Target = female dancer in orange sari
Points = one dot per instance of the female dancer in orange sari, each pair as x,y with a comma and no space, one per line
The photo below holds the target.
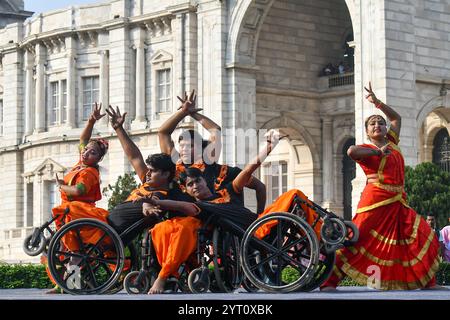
396,250
80,188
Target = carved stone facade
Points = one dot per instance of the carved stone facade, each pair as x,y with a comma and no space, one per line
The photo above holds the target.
255,65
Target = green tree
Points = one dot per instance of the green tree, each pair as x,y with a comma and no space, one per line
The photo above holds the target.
428,190
121,189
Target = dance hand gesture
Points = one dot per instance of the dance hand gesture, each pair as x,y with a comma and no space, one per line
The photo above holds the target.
59,182
274,136
96,115
371,97
188,103
385,151
116,118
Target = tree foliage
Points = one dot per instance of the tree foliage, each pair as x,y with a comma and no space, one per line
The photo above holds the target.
120,190
428,190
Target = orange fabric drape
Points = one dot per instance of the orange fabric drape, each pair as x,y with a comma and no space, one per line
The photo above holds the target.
81,206
174,241
394,242
283,204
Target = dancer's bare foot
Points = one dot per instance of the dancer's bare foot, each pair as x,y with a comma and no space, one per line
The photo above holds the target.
158,286
55,290
328,289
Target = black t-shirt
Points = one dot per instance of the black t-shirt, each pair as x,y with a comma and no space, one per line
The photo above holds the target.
226,204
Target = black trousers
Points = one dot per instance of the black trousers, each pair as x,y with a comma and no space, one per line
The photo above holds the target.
128,217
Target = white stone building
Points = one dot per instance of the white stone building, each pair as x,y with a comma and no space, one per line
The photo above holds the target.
255,64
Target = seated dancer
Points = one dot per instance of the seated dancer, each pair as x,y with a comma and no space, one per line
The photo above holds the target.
175,240
393,238
197,153
80,189
156,174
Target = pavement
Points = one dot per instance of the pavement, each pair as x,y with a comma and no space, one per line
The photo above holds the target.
344,293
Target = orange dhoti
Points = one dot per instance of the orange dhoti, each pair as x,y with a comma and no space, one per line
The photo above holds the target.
283,204
174,241
80,210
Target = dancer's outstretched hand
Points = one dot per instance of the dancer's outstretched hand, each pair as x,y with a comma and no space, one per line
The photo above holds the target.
188,103
371,97
116,118
96,115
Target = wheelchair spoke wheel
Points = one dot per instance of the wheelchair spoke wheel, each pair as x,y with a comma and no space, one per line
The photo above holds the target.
227,270
86,256
284,260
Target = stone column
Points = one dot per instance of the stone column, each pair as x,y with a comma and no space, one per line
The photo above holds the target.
139,121
29,116
327,161
40,88
104,83
71,81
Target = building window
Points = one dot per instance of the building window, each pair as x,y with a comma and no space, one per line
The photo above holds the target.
90,95
52,199
163,90
63,101
57,106
441,149
276,179
1,117
29,209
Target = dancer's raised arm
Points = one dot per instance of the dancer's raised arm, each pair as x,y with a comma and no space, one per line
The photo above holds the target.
391,114
129,147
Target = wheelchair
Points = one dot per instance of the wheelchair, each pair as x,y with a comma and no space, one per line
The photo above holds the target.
292,246
97,266
214,265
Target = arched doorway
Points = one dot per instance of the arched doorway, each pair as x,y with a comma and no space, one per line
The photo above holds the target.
348,173
441,149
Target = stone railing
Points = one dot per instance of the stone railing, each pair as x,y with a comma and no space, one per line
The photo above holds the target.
339,80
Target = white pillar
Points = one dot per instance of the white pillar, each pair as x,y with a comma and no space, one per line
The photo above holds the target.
40,88
29,116
104,83
139,121
71,81
327,161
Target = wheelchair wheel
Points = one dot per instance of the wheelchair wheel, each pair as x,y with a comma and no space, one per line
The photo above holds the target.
227,269
333,232
136,282
352,234
248,286
283,261
131,264
323,269
198,280
94,266
34,247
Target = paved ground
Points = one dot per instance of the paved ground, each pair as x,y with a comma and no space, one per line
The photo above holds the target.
345,293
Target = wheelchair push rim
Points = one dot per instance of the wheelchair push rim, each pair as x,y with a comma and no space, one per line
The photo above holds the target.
291,248
98,265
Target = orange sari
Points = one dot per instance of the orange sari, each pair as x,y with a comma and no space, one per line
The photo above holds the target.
396,250
82,206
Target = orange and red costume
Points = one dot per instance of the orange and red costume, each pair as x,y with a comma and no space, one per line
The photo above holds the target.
396,250
83,206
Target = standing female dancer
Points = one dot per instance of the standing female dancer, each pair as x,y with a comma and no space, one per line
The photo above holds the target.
396,250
